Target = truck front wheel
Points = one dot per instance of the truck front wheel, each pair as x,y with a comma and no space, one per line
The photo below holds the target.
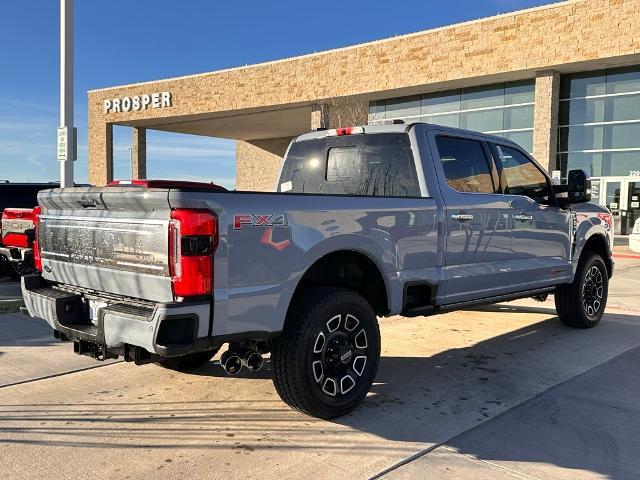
327,356
581,303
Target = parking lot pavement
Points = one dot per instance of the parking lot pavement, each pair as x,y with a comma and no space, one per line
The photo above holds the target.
441,378
10,296
585,428
29,352
624,289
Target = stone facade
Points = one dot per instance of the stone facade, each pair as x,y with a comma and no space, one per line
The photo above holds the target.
138,153
545,118
258,163
567,36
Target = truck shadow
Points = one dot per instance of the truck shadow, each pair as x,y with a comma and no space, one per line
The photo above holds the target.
415,402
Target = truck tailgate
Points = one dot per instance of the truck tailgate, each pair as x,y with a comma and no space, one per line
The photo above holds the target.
112,240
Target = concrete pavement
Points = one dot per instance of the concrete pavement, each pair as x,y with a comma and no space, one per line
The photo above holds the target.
440,377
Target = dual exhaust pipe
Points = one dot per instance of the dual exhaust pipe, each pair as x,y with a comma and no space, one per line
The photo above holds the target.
233,360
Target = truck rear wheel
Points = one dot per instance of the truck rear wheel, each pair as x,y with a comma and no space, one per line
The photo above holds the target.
581,303
187,362
327,356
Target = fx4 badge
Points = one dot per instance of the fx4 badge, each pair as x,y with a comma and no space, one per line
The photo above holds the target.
277,220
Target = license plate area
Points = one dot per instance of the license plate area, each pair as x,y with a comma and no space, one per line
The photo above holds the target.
94,309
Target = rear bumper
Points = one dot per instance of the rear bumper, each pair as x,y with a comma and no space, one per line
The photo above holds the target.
15,254
162,329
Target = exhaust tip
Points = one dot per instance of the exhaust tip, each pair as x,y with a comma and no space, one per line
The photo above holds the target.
254,361
231,363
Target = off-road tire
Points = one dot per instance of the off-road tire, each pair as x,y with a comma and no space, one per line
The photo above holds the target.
187,362
574,301
317,331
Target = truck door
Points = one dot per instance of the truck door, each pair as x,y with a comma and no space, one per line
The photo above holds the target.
477,240
541,231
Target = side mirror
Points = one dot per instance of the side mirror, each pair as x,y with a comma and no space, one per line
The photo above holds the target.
579,186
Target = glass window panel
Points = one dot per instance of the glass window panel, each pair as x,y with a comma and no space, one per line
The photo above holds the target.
524,139
373,165
377,110
481,97
625,107
343,163
465,164
621,163
581,138
521,176
590,162
519,92
585,110
584,84
450,120
626,135
483,120
518,117
403,107
439,103
623,80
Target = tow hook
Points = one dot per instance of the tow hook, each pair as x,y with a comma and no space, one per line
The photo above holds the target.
234,359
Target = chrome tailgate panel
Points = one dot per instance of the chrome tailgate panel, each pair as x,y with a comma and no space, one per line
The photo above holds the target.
107,240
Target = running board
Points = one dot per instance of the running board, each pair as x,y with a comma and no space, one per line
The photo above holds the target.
492,300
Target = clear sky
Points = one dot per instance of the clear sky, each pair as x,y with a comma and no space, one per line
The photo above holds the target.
125,41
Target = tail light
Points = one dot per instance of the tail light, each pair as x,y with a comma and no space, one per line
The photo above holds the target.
18,223
193,238
37,258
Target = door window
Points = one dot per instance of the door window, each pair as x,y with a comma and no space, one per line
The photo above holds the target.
465,165
520,176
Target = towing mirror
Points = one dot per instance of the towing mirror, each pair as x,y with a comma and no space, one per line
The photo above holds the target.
579,186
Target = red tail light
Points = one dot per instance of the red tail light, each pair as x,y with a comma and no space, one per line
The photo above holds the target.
193,238
37,259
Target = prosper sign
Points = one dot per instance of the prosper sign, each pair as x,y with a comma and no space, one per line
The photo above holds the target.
138,102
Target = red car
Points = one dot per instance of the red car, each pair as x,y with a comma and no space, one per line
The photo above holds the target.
17,201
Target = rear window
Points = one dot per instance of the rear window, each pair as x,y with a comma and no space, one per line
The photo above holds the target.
366,165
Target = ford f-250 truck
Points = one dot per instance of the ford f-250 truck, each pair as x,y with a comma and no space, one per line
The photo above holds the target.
365,222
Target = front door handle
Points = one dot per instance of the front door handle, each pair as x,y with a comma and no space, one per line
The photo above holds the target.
462,217
522,217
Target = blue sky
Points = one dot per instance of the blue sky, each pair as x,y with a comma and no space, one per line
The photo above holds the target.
125,41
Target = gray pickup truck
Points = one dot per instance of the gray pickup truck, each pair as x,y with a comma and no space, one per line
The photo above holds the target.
365,222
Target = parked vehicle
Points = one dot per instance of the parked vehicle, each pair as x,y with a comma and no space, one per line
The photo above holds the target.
17,201
365,222
634,238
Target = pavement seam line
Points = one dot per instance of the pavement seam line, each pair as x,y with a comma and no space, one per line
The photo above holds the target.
444,443
495,465
54,375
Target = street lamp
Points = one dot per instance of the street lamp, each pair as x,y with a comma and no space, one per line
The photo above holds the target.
66,144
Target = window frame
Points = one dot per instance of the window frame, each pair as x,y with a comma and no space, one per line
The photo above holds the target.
495,155
491,165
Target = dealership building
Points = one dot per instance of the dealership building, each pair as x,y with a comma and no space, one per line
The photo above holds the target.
561,80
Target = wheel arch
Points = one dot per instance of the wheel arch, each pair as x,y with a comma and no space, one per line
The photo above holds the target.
349,269
598,243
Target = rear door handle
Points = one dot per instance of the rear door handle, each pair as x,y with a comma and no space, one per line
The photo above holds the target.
522,217
462,217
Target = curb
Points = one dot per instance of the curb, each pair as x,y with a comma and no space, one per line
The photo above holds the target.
627,255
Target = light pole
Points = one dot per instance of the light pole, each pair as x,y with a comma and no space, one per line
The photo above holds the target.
66,131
